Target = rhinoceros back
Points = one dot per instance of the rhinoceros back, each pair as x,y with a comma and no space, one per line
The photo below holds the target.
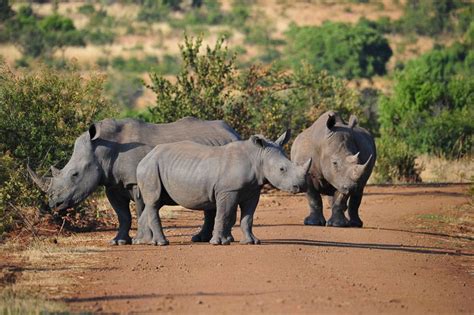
123,143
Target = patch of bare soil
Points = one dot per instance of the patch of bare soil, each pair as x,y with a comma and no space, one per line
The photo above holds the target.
414,255
394,264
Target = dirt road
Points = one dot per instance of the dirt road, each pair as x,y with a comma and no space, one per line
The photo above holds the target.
400,262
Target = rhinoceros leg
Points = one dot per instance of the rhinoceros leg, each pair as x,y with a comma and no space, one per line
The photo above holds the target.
225,218
246,220
205,234
354,203
339,205
154,222
315,216
143,232
121,204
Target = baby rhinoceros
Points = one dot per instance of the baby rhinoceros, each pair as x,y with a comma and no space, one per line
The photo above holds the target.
216,180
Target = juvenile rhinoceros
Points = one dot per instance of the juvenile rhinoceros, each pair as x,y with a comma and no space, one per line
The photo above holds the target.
343,158
108,155
216,179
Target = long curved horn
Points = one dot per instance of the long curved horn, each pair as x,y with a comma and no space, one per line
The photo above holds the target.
360,169
43,183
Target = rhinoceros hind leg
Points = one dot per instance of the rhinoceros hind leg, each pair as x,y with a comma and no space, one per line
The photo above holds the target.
226,213
144,234
205,234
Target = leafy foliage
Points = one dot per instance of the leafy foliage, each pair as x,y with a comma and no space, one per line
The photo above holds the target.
257,100
36,37
358,51
433,95
41,114
435,17
395,162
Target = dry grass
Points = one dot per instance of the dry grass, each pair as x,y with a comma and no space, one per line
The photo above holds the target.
9,53
45,270
441,170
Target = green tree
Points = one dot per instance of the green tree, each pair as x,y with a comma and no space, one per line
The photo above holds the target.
5,10
431,105
59,31
358,51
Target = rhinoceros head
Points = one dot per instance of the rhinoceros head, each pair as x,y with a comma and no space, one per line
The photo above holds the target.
340,156
277,168
78,179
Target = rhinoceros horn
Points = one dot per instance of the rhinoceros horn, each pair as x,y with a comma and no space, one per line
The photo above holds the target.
353,158
307,165
42,182
55,171
360,169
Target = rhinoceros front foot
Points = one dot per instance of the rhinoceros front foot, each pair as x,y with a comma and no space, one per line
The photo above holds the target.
356,223
221,239
315,220
252,240
338,221
121,241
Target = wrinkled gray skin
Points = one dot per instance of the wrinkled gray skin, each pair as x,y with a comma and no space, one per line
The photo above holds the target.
343,158
108,155
216,179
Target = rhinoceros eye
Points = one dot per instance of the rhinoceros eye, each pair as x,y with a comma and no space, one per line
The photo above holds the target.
75,174
282,169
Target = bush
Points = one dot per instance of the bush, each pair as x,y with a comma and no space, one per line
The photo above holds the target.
431,106
435,17
124,90
36,37
259,99
395,162
358,51
41,113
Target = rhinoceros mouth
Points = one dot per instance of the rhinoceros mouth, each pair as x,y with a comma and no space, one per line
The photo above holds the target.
60,205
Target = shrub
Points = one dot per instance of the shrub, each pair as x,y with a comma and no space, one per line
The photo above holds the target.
35,36
432,102
358,51
154,11
260,99
435,17
123,89
395,162
41,113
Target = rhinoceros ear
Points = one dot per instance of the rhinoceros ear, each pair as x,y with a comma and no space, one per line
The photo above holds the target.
353,121
258,141
284,138
94,131
331,120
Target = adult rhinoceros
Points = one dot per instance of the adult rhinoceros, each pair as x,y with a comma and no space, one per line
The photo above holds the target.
343,158
108,155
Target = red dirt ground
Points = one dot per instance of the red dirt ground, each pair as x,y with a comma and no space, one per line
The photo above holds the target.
400,262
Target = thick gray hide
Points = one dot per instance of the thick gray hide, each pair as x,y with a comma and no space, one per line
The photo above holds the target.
108,155
216,179
343,158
